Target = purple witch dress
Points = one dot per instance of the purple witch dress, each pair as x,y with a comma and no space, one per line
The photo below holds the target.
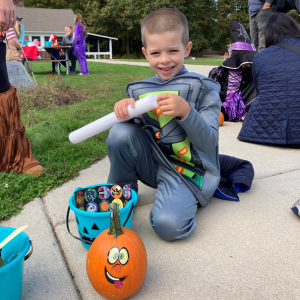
79,48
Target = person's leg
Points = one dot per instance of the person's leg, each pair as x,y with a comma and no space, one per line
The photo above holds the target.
54,56
173,213
53,64
63,56
80,58
86,66
254,31
82,63
4,81
129,152
264,16
15,151
73,58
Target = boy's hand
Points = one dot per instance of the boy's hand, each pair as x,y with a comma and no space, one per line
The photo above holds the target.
173,105
121,110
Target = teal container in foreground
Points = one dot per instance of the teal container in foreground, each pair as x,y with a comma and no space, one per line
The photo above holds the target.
91,224
11,274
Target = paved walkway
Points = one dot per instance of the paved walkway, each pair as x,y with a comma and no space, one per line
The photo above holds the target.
239,250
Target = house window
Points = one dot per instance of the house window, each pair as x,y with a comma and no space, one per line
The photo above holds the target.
46,38
59,39
36,38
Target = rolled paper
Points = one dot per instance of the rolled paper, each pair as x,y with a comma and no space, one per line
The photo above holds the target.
141,106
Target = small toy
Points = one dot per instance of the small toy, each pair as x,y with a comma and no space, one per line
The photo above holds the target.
142,106
116,263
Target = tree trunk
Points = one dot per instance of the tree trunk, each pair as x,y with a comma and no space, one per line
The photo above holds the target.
127,44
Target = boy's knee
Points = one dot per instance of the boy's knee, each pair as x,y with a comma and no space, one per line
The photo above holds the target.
168,227
118,134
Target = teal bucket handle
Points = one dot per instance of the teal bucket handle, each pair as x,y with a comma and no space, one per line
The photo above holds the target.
89,242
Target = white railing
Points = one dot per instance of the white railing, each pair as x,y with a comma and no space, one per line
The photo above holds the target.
97,54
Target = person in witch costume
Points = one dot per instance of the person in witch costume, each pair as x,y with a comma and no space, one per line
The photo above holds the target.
235,75
15,151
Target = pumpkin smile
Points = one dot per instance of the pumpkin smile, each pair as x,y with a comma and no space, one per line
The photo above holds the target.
113,280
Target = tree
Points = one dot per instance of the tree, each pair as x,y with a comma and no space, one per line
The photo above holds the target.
228,10
75,5
123,18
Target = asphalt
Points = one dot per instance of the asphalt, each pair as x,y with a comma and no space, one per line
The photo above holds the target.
239,250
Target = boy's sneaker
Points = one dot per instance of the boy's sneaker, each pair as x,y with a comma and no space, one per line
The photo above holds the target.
296,208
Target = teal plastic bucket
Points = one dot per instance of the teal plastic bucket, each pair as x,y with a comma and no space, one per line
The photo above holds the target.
11,274
91,224
48,43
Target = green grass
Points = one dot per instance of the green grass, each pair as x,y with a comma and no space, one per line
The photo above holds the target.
48,128
215,61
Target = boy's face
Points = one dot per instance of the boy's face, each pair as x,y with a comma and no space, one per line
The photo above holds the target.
166,53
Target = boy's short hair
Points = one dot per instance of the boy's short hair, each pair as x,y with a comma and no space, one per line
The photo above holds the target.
165,19
69,27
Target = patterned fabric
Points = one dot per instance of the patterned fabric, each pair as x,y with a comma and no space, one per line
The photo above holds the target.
3,39
236,85
274,115
10,34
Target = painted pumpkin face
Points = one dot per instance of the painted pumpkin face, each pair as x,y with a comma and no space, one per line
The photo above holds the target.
117,267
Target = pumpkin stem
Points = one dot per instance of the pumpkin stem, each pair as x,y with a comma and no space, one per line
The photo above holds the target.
115,224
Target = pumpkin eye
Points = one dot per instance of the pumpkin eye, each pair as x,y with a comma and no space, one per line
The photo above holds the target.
113,255
124,256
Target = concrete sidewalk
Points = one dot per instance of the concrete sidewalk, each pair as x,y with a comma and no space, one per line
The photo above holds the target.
239,250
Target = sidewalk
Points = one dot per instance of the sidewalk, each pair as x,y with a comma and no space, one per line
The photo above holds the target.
239,250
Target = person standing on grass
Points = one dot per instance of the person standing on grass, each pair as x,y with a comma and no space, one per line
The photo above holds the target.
15,151
67,40
78,42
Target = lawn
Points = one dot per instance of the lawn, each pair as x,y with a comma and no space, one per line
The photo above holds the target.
214,61
48,126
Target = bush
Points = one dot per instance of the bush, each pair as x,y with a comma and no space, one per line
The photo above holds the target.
54,92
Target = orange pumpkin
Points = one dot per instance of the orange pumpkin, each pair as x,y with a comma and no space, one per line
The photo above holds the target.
221,119
116,263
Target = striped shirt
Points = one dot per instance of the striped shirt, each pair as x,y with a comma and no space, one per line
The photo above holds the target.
10,34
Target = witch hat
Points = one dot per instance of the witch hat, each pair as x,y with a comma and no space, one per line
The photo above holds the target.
242,49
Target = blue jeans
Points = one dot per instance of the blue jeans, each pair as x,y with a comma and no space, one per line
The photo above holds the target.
73,58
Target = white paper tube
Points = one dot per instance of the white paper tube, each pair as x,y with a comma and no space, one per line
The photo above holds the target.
141,106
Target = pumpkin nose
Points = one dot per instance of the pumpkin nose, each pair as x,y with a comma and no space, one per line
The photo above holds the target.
117,268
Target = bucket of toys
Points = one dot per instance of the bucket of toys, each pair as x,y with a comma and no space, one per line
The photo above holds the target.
91,208
13,254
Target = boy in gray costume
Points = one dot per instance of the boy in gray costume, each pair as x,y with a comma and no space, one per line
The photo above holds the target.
173,148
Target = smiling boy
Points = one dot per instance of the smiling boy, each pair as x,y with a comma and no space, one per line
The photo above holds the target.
173,148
